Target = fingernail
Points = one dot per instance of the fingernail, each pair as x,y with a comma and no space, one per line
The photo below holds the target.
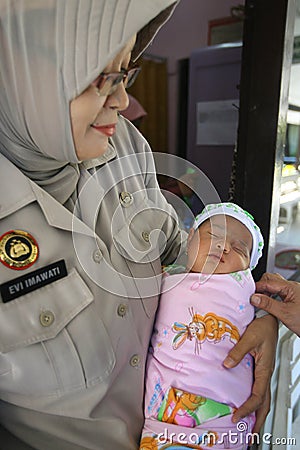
228,362
237,419
255,300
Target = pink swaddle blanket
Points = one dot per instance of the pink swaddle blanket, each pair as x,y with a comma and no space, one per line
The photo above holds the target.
200,318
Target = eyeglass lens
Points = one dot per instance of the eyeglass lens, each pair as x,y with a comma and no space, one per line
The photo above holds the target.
107,82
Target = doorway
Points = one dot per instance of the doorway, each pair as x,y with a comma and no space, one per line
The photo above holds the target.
153,79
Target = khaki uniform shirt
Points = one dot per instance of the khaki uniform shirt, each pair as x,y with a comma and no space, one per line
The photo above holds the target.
73,352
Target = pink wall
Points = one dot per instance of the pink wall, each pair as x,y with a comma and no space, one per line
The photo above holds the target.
185,31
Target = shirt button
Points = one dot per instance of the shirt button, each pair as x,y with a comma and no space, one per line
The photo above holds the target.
146,236
126,199
97,256
135,361
46,318
122,309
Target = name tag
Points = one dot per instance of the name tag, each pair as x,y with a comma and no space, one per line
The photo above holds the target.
34,280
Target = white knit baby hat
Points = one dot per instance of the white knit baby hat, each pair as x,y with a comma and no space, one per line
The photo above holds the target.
233,210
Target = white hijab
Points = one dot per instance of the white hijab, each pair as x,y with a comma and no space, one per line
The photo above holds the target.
50,51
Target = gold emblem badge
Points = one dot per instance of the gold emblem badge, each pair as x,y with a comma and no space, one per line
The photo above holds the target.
18,249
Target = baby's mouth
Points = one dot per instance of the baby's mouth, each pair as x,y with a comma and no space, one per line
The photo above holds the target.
216,256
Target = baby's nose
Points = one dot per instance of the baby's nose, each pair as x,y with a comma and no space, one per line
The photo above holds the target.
224,245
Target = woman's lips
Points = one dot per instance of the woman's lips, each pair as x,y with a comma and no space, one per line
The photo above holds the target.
108,130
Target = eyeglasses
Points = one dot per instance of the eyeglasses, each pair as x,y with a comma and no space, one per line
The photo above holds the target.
107,83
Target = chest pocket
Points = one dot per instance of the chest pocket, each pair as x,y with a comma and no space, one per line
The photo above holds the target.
141,238
141,242
52,341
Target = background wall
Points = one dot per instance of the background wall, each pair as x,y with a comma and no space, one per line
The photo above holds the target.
185,31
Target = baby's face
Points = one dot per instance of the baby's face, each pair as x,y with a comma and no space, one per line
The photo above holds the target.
216,249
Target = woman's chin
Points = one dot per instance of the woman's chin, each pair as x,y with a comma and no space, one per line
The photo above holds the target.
87,154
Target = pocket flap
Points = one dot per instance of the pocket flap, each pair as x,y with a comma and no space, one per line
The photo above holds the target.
141,238
42,314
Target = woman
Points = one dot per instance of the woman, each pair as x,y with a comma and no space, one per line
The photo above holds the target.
80,257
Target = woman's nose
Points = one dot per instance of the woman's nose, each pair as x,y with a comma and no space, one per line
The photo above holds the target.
119,98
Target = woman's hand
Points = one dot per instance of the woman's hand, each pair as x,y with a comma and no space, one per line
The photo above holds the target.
259,339
287,311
